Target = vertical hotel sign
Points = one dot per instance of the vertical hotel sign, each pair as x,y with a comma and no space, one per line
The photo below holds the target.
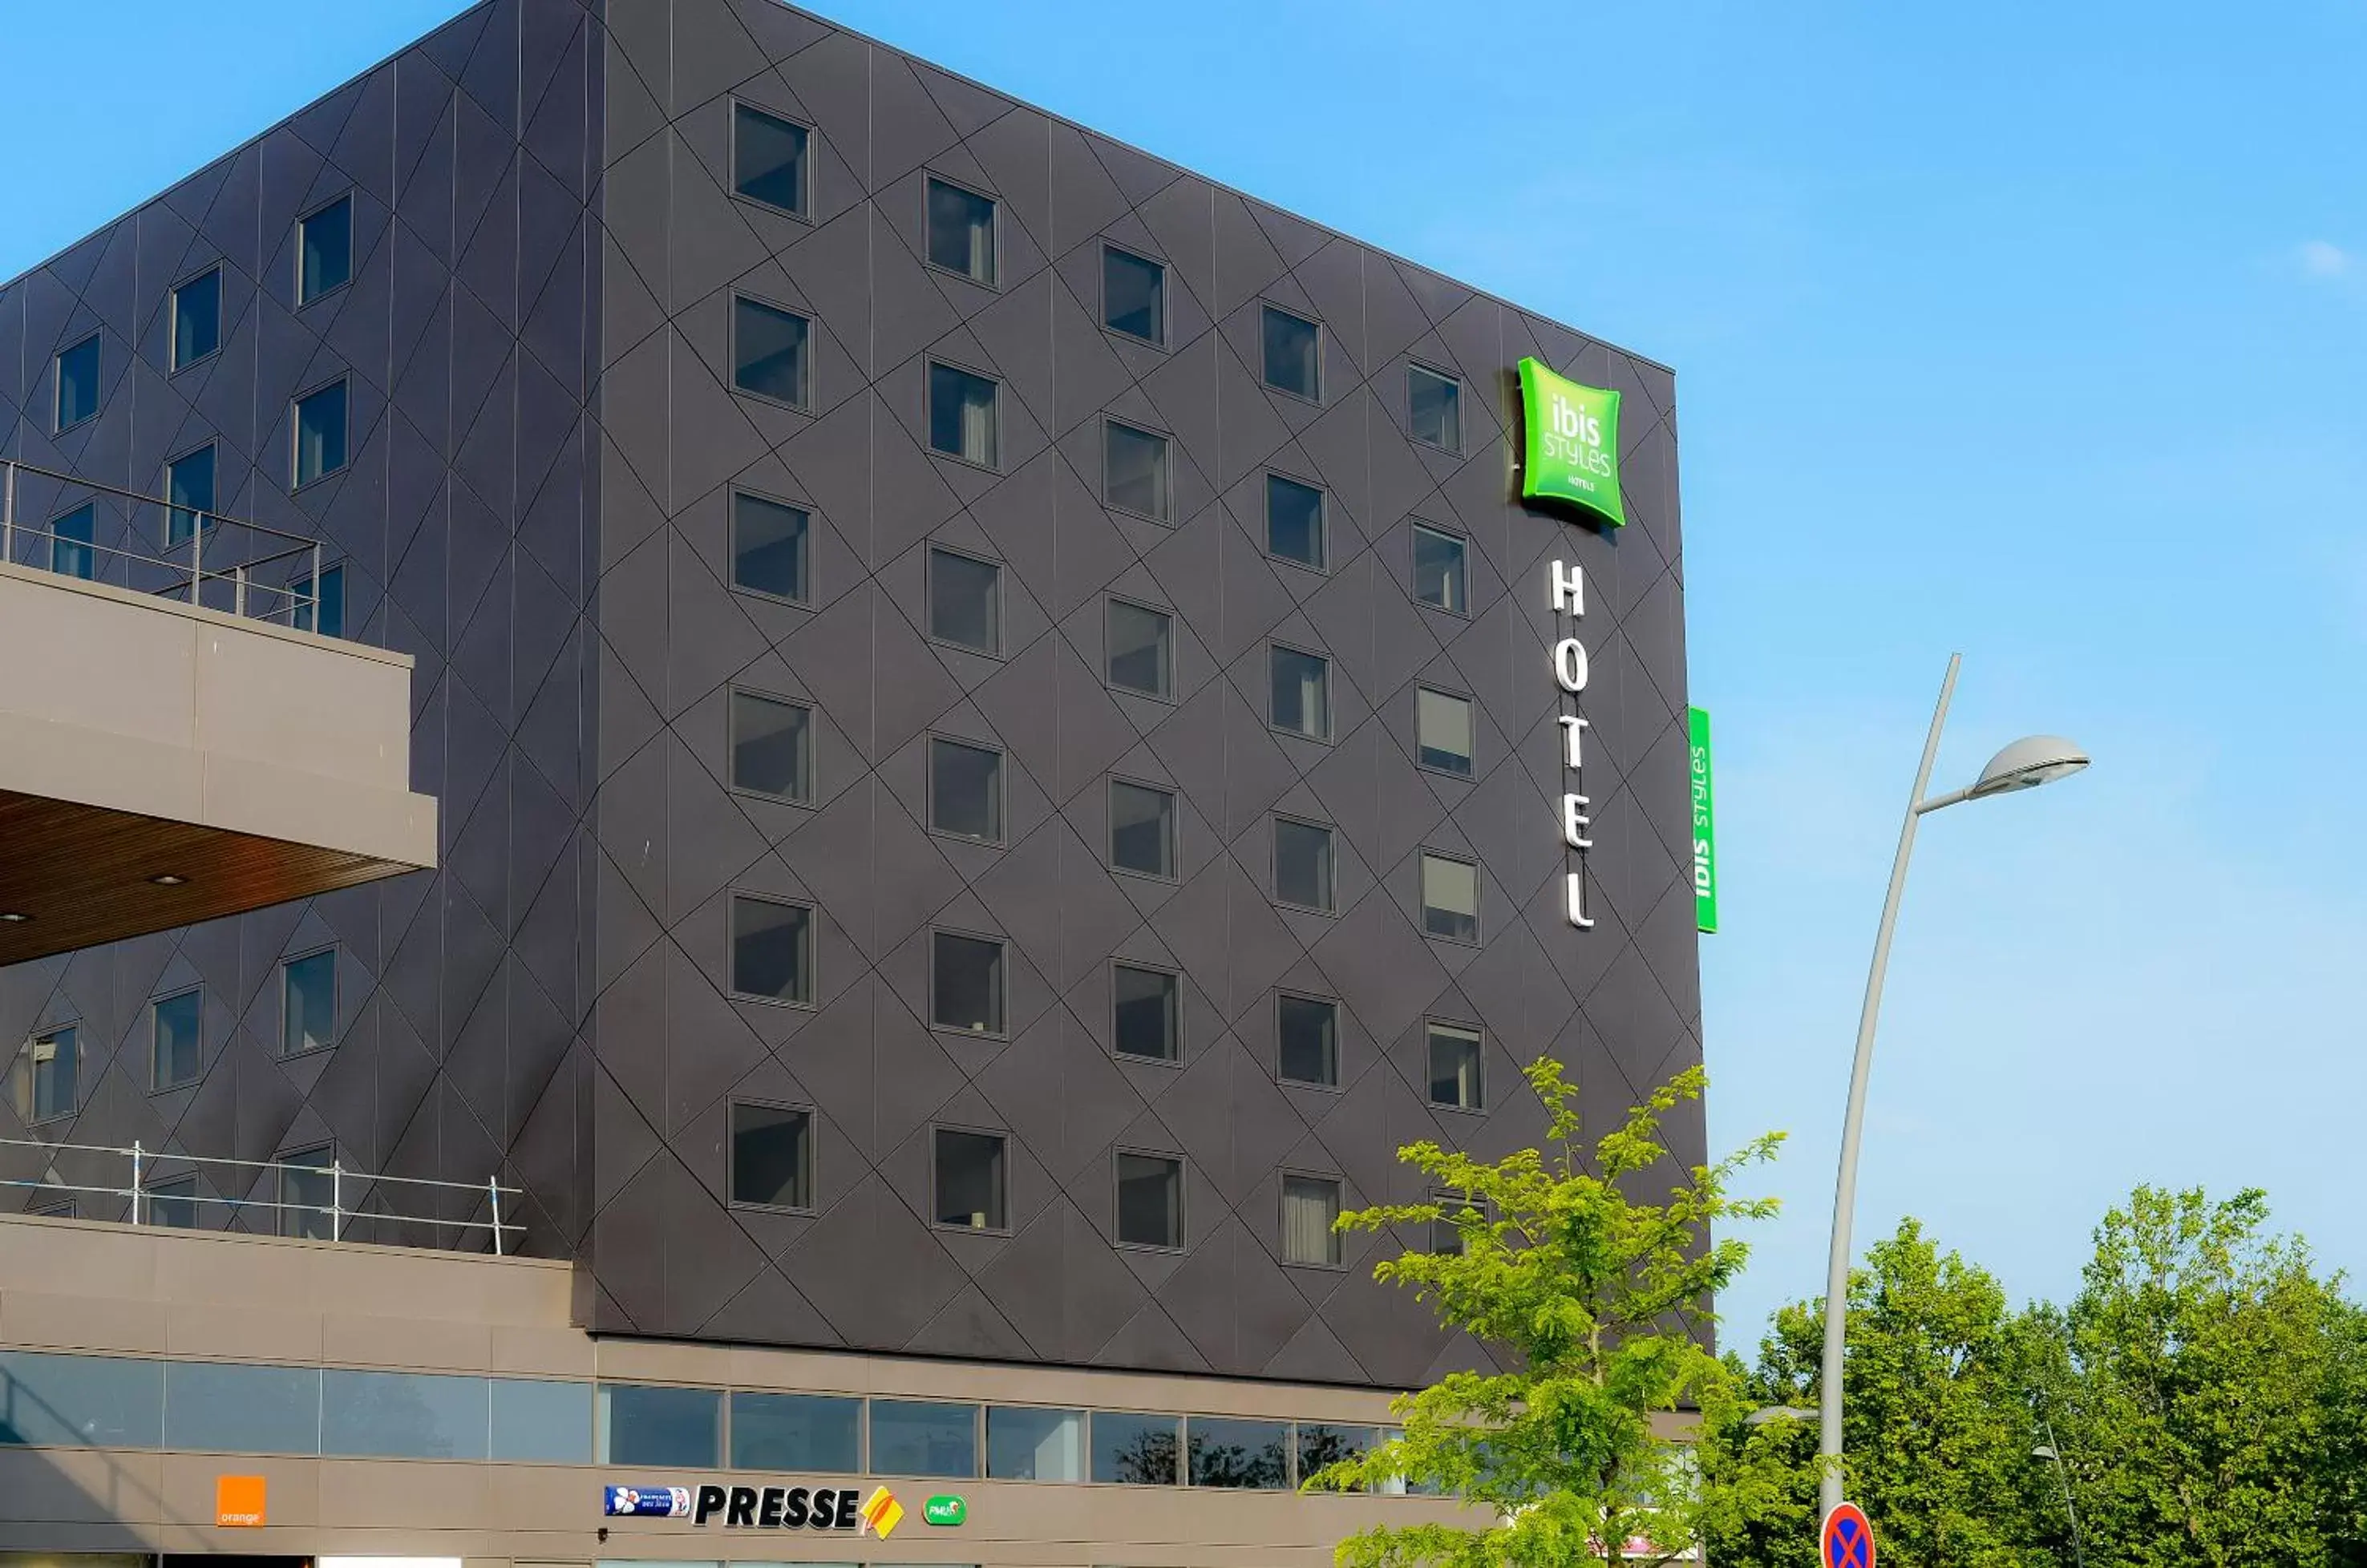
1705,820
1571,457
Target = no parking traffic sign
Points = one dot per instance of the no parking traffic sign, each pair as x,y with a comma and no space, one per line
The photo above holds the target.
1847,1539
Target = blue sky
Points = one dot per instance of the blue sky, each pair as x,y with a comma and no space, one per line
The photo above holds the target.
2033,331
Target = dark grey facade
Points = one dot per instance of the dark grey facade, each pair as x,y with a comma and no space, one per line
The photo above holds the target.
539,334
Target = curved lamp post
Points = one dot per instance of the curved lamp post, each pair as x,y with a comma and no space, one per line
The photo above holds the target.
2035,759
2048,1451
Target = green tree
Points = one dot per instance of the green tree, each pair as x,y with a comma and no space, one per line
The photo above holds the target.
1937,1421
1596,1304
2208,1397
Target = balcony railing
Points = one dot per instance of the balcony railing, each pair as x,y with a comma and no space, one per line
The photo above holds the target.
208,558
327,1202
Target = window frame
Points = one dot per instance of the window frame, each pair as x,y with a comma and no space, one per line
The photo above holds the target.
59,424
1001,839
1424,855
174,364
210,516
930,363
803,211
1174,856
1165,515
1334,1085
1003,1181
1451,1201
284,1216
1419,368
732,494
1175,1018
346,196
992,281
1470,773
1330,869
1159,343
804,403
33,1116
731,695
61,543
1338,1243
1183,1242
337,1002
808,959
150,1192
1314,399
1002,983
1330,728
308,587
929,588
156,1084
1111,602
1462,543
297,483
1479,1060
810,1157
1321,564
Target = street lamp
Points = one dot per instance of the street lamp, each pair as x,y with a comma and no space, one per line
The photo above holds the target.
2048,1451
2028,762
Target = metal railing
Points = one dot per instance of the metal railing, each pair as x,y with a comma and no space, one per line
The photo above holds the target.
353,1198
224,562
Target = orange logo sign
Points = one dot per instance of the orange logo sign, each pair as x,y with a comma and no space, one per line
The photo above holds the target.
238,1501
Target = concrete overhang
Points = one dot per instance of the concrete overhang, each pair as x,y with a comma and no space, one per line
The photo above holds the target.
142,737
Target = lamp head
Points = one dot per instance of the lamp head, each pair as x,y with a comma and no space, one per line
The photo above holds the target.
2045,1450
2030,762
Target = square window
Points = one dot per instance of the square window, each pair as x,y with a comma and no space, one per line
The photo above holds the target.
308,1194
1307,1032
1294,353
1450,898
1142,829
308,1002
176,1027
78,383
772,1156
173,1204
1136,1448
1454,1066
52,1064
1134,470
768,546
319,433
1302,694
965,601
678,1429
197,319
1150,1201
963,419
323,611
190,489
324,250
796,1434
1434,407
1231,1452
966,791
969,1180
1442,724
73,538
1309,1205
1134,295
769,159
1447,1231
1028,1443
1302,864
1145,1012
1294,521
1438,570
1141,644
768,351
909,1438
965,984
772,949
771,747
961,231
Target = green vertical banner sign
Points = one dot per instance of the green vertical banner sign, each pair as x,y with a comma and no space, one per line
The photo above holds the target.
1705,824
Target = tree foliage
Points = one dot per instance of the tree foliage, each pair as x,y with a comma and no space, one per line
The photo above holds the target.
1594,1302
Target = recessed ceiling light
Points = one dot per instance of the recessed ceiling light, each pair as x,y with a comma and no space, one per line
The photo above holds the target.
168,879
15,917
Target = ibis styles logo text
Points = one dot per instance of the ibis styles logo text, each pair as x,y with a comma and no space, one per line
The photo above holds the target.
1571,453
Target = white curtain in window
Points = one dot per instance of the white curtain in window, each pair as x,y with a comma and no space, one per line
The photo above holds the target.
1309,1207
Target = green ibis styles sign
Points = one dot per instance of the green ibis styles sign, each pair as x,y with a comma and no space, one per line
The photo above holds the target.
1571,450
1704,835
